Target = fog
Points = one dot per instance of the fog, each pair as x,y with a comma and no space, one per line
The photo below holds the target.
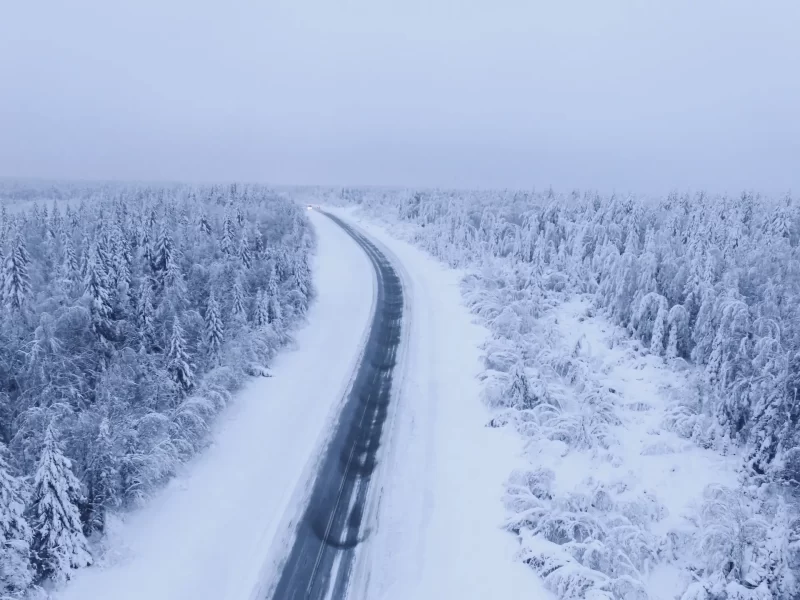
626,96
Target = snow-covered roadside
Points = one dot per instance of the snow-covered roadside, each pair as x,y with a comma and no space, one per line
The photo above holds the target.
439,519
650,475
208,534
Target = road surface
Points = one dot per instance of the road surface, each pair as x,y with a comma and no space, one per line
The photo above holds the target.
321,558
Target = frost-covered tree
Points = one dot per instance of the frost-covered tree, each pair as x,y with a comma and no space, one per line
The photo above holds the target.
214,328
203,224
16,280
244,253
238,303
99,297
15,534
678,342
519,394
261,317
226,243
178,362
58,545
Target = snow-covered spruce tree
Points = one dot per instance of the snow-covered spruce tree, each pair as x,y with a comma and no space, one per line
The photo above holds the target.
58,545
214,328
238,303
261,313
15,534
203,224
16,281
226,243
519,394
99,297
244,253
178,362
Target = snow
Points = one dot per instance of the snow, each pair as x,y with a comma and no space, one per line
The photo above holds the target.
216,531
652,461
437,525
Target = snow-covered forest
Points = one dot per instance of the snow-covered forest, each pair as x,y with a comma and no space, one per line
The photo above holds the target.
701,292
130,313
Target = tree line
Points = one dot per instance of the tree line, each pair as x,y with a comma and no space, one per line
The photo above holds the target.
130,314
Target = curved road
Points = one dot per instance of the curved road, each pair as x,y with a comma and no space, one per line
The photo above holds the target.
321,558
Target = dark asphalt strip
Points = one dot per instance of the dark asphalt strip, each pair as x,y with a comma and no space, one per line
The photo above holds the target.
321,558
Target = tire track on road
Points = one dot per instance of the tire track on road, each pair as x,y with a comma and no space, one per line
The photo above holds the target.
321,558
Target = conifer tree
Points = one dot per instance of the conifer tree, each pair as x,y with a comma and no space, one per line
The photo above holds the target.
59,544
215,331
519,393
261,318
237,301
163,254
226,242
244,253
204,225
16,281
15,534
178,363
100,299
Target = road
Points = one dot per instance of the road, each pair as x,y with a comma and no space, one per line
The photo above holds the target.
321,558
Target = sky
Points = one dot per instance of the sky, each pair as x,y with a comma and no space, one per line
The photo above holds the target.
626,96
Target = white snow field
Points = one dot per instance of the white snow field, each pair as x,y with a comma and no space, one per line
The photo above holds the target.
220,529
209,535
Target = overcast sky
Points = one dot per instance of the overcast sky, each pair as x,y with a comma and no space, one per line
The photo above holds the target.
629,96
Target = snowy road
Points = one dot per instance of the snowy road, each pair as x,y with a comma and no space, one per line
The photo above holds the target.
321,559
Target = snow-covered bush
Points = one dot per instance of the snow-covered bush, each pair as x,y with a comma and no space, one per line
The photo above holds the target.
129,316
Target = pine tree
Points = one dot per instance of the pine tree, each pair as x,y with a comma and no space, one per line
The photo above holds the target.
58,541
659,330
163,254
215,331
226,243
519,393
237,301
178,363
204,225
261,317
15,534
244,253
100,297
16,282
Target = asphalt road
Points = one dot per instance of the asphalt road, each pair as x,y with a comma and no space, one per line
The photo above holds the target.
321,559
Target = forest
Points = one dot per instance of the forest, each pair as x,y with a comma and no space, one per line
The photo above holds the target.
130,315
709,285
